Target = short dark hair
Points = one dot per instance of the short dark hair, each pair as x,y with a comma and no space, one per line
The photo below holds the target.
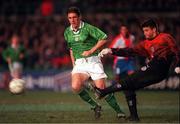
124,25
149,23
74,9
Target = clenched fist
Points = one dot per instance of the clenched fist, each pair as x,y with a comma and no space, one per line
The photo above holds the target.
177,70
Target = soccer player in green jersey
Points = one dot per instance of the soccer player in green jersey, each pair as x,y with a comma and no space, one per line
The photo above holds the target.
14,55
84,40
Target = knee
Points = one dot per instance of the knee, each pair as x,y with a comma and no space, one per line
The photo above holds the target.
100,85
76,87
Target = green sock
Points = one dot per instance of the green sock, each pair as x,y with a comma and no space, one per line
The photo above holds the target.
111,100
85,96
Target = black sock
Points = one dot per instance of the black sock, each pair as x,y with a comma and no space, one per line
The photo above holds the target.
111,89
131,101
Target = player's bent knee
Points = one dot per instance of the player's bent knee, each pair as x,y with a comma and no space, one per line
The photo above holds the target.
100,84
76,87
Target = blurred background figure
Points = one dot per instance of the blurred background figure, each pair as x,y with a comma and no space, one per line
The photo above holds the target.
14,55
124,66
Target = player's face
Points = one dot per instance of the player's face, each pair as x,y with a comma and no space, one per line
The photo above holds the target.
74,20
124,31
15,40
149,32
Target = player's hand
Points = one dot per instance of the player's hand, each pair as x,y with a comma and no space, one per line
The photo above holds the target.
105,52
9,60
177,70
21,56
86,53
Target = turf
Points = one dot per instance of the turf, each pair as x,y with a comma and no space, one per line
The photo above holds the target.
57,107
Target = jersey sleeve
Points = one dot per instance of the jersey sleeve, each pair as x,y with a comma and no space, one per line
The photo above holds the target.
137,50
96,33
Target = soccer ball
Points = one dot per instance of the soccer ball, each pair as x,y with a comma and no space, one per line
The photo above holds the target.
17,86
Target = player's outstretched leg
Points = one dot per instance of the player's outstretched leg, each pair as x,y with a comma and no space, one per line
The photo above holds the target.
100,93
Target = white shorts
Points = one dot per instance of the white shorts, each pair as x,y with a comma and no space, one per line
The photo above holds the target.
15,67
92,66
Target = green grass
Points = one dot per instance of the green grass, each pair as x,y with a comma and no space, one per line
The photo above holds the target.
57,107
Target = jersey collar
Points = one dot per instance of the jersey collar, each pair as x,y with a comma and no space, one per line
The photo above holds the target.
80,26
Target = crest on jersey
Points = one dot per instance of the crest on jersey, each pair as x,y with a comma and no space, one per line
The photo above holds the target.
76,37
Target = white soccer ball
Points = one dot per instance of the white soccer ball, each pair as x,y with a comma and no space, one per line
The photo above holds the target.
17,86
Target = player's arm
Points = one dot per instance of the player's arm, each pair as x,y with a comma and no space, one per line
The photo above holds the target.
126,52
137,50
173,46
99,44
174,49
6,57
97,34
72,57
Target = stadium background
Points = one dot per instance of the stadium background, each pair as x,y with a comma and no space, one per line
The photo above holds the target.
41,24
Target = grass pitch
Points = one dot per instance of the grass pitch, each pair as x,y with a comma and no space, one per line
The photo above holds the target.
57,107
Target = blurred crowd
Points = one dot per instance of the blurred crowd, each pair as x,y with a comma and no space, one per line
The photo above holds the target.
44,41
22,7
42,36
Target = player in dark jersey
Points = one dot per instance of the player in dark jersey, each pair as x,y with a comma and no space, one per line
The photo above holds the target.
162,52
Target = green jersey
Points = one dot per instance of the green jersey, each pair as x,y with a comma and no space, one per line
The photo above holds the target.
84,39
13,53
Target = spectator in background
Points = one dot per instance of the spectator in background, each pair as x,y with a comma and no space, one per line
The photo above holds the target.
124,66
33,30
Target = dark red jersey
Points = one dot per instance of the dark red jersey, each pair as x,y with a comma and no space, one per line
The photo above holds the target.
161,46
